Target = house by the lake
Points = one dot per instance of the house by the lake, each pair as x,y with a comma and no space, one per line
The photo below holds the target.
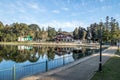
63,37
27,38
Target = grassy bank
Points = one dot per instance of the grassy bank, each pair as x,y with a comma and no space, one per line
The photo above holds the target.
111,69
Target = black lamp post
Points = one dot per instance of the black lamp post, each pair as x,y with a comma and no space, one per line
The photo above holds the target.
100,61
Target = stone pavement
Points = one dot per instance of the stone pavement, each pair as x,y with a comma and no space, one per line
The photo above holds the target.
82,69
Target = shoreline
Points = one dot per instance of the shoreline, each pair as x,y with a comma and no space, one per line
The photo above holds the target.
49,43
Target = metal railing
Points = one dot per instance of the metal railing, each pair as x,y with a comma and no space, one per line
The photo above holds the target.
16,73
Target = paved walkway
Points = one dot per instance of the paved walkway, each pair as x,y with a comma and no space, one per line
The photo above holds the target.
82,69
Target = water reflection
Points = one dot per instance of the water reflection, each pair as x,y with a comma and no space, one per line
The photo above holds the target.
30,60
20,54
63,50
17,55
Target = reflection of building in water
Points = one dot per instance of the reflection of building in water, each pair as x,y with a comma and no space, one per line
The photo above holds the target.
77,49
78,53
24,47
81,52
63,50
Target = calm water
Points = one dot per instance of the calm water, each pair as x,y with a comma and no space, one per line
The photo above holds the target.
28,60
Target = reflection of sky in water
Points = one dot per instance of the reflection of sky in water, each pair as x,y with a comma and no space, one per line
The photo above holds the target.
38,61
9,64
42,58
6,64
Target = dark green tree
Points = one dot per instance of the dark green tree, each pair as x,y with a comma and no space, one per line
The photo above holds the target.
51,33
75,33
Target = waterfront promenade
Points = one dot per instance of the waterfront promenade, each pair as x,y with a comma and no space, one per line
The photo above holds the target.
82,69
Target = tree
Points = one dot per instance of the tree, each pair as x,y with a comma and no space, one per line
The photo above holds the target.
50,53
59,30
35,29
75,33
51,32
80,33
1,26
114,27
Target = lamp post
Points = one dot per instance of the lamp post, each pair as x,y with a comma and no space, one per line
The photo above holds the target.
100,61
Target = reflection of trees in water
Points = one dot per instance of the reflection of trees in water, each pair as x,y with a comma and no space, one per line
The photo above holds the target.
19,56
42,50
12,53
1,59
62,50
1,55
50,53
77,54
34,56
89,51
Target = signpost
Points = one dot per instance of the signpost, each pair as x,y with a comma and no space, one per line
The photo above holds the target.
100,61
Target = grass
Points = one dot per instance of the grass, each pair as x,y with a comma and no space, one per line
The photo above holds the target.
111,69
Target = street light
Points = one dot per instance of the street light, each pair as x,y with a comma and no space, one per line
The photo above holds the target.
100,61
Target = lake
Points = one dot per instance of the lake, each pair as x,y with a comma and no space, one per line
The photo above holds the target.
21,60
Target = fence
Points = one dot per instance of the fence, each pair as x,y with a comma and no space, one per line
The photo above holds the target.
16,73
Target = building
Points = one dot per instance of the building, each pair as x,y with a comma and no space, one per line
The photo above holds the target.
63,37
28,38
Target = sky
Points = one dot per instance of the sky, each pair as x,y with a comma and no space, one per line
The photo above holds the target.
64,14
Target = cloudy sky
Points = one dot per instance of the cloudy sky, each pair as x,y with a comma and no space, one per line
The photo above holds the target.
65,14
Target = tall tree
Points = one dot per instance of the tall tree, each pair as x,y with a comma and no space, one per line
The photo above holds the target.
35,29
114,27
75,33
1,25
51,32
59,30
80,33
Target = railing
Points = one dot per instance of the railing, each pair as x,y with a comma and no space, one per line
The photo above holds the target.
6,74
16,73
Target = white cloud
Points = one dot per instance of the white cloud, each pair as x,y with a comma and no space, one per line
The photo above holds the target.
56,11
65,9
106,7
23,6
32,5
14,7
35,6
64,25
117,17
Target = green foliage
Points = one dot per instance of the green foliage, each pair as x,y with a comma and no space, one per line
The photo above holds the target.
79,33
110,30
51,33
75,33
12,32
